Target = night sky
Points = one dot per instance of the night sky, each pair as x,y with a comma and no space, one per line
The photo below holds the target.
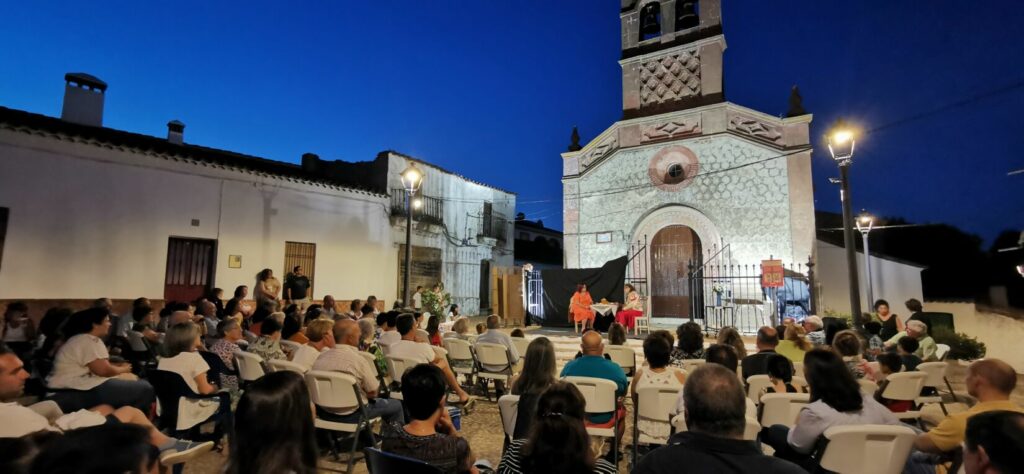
492,89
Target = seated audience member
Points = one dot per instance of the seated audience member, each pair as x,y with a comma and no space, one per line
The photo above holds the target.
17,454
657,352
19,333
731,337
366,311
320,334
907,348
372,302
990,381
50,328
558,441
330,308
390,333
875,343
460,329
593,364
83,367
421,320
835,326
723,355
354,309
481,328
429,435
453,312
539,372
274,430
370,342
268,345
836,400
616,335
994,443
495,336
208,311
291,330
182,359
344,357
815,330
755,364
795,344
849,346
918,331
20,421
367,332
229,333
780,374
714,404
422,354
145,324
691,344
76,452
518,333
434,331
889,363
127,320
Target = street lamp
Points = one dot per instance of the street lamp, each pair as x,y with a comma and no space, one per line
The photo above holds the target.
865,222
412,178
840,145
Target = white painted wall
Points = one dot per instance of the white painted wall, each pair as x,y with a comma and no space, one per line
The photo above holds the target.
893,281
1001,334
88,221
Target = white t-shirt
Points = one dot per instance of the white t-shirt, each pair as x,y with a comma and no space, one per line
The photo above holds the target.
388,338
70,367
417,300
417,351
305,355
19,421
188,365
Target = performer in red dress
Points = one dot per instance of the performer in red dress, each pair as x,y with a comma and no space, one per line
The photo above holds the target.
631,309
579,307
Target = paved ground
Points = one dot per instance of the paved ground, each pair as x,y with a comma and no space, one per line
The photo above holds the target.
482,427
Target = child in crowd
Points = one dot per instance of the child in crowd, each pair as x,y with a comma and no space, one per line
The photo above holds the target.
906,347
874,330
780,373
518,333
889,363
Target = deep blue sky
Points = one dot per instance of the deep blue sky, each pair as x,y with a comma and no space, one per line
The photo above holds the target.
492,88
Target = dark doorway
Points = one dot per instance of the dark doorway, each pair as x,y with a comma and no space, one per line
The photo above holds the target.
301,254
485,284
672,250
190,265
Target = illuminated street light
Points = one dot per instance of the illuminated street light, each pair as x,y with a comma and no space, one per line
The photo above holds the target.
865,222
841,143
412,179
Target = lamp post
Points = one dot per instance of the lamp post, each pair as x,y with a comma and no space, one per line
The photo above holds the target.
865,222
412,178
840,146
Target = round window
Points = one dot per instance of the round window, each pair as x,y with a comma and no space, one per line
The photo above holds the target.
676,174
673,168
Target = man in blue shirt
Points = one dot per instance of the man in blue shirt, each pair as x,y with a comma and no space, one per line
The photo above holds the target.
593,364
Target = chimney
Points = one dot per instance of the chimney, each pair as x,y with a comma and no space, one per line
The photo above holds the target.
175,132
83,99
310,162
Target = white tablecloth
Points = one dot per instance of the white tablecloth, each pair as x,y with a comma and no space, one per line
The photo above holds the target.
604,308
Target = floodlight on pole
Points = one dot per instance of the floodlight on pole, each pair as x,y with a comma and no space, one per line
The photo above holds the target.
412,179
865,222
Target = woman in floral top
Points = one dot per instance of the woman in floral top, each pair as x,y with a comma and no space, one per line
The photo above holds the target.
268,345
228,333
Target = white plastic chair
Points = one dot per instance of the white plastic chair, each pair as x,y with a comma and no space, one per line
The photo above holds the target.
459,350
941,351
338,391
782,408
936,377
643,321
905,386
521,344
281,365
624,356
495,355
798,369
250,366
752,429
600,397
653,402
867,387
508,408
867,449
755,384
396,368
289,346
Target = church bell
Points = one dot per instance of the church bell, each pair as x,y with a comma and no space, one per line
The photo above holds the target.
686,15
649,20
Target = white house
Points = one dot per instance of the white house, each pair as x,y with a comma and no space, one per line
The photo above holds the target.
893,280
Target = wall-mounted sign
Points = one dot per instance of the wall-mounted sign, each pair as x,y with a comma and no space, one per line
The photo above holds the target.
604,237
234,261
772,273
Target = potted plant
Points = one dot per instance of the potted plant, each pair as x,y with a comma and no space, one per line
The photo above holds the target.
961,346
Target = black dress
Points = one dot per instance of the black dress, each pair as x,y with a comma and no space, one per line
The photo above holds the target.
889,327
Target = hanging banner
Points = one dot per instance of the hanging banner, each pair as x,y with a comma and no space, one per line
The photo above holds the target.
772,273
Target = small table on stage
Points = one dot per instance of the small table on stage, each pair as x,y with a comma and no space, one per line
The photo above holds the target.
715,317
605,315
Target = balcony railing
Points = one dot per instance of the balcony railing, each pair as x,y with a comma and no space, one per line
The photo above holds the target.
432,210
494,227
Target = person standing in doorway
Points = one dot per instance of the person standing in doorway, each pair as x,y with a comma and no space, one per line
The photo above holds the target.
297,289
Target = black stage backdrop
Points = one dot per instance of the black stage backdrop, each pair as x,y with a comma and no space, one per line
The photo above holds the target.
560,284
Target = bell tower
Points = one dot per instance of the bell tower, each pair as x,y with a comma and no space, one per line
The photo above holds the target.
671,55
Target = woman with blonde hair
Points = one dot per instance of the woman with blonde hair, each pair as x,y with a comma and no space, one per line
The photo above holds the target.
795,345
731,337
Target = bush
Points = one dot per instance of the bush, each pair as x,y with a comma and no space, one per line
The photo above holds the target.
961,346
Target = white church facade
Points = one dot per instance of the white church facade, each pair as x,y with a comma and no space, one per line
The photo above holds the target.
686,176
88,211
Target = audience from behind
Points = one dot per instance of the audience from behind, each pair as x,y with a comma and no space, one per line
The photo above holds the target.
429,435
434,330
990,381
76,452
755,364
731,337
715,413
460,329
558,440
834,326
344,357
274,430
268,345
691,343
918,331
481,328
875,344
795,344
518,333
616,335
17,454
780,372
408,348
291,330
538,373
354,310
890,363
20,421
366,311
836,400
849,346
229,335
994,443
814,328
593,364
389,335
495,336
657,352
723,355
83,365
907,348
320,334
